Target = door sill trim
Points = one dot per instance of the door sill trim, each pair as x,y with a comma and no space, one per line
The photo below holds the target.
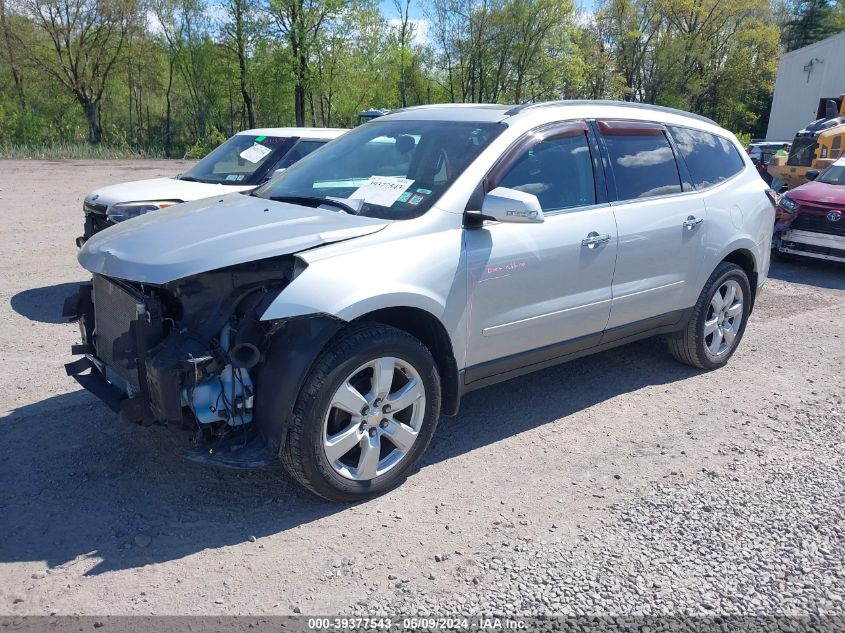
500,369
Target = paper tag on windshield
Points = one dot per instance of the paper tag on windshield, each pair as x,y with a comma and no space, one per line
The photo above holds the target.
382,190
255,153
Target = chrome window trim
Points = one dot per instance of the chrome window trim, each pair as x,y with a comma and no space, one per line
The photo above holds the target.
578,209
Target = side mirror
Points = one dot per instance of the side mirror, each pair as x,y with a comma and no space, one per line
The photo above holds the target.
812,174
510,205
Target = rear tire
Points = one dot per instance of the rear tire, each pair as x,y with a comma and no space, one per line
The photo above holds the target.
718,320
366,414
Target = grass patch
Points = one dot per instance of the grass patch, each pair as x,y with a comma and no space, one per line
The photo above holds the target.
60,151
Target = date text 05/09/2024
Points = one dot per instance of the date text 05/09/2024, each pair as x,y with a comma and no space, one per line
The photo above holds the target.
418,624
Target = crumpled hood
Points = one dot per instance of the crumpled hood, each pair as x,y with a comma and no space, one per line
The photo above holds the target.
819,192
159,189
205,235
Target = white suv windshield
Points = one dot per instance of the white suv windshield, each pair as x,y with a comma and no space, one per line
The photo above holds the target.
242,160
397,169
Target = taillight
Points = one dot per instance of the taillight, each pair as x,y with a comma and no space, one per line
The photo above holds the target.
773,196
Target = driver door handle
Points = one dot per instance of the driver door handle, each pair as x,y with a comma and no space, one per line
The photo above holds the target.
691,222
593,239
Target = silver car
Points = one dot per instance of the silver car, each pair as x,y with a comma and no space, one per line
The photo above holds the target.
331,316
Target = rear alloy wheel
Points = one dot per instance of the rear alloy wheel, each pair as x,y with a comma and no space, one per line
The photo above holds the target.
724,319
366,414
718,320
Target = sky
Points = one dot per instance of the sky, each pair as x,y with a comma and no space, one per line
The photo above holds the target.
388,9
417,14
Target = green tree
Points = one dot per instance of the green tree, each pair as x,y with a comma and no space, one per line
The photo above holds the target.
241,29
78,43
301,23
810,21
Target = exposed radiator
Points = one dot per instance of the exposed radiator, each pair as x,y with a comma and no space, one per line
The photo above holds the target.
126,325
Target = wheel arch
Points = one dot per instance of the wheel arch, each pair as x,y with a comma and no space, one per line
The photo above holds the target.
744,258
429,330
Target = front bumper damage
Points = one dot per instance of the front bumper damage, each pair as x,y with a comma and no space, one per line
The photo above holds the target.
96,220
809,244
819,234
180,355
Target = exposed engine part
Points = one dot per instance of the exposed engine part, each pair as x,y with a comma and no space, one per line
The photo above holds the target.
244,355
226,396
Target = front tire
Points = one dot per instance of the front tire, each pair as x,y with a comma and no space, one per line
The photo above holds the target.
366,414
718,320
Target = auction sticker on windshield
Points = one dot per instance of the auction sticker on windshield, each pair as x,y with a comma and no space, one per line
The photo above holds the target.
255,153
382,190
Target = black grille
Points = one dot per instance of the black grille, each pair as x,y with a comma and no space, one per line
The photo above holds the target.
803,152
94,223
818,224
126,325
93,207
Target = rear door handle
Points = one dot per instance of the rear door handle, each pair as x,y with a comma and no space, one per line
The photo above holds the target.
691,222
593,239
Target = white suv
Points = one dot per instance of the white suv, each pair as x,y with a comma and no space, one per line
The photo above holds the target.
239,164
332,315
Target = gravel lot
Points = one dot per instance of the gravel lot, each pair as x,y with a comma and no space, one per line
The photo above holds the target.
623,483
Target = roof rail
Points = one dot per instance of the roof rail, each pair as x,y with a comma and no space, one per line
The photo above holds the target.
621,104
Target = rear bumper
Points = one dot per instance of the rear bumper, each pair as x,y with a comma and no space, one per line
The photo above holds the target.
809,244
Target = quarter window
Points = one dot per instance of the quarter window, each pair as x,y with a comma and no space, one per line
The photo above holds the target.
642,162
558,170
710,159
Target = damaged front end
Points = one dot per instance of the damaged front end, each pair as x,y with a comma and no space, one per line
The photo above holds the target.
183,353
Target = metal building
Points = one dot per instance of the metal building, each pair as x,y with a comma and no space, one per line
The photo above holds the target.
805,76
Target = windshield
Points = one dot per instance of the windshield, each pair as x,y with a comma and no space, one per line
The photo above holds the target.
802,152
833,175
398,169
242,160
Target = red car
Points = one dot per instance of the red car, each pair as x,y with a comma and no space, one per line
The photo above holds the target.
810,220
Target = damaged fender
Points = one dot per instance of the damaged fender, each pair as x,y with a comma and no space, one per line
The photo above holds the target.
294,347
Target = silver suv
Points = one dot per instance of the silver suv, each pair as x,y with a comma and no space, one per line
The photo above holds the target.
332,315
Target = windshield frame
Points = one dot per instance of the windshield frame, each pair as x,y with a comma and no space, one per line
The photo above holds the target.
197,173
455,144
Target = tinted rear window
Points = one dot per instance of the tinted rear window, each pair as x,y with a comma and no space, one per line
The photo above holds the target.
710,158
643,166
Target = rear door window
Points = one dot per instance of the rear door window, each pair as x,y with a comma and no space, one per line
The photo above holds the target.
641,160
710,158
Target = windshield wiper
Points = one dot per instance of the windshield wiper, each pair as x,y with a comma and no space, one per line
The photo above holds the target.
190,179
316,201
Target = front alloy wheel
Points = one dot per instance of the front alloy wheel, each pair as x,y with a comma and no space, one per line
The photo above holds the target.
365,415
374,419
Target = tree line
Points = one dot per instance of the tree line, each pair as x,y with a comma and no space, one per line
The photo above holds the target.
178,76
